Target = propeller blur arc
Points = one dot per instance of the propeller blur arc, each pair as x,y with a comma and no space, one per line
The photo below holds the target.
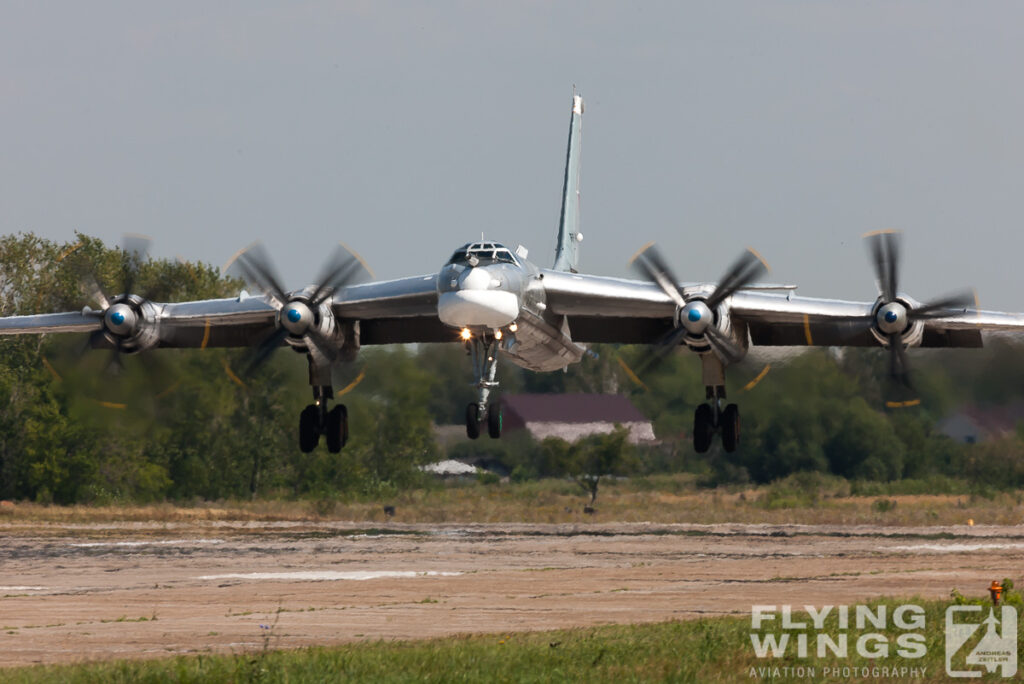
342,268
747,268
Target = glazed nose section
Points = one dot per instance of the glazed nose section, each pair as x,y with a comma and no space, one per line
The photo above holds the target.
480,302
477,279
474,279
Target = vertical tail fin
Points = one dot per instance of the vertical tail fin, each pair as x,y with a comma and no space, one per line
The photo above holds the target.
569,236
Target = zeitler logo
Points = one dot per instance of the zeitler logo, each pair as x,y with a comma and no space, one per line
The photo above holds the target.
997,648
859,629
977,639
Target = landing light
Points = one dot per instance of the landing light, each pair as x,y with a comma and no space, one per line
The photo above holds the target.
466,334
513,327
497,334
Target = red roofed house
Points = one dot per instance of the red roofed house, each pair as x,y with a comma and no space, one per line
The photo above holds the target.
571,416
972,424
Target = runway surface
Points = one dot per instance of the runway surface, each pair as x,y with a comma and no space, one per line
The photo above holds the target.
136,590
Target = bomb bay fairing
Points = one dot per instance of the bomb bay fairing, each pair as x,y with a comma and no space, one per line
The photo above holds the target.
500,305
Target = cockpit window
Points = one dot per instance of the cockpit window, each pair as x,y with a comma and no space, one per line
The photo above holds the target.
485,253
504,255
460,257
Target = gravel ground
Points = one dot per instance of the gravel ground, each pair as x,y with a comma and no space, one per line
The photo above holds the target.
137,590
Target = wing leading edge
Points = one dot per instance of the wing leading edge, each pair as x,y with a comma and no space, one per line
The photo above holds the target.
599,309
391,311
620,310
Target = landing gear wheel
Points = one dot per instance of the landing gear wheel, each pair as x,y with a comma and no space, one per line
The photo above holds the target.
472,422
337,428
730,427
309,433
494,421
703,428
344,424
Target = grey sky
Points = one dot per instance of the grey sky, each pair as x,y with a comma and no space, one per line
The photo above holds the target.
405,129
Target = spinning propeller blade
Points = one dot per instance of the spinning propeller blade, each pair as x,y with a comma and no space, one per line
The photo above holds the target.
701,316
135,253
745,270
885,252
255,265
299,313
121,316
893,317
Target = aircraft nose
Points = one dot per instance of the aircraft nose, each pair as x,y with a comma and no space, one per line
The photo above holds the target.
481,301
478,279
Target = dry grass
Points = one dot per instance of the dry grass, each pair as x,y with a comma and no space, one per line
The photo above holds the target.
715,649
666,499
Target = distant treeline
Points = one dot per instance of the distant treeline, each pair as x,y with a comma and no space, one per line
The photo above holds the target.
188,424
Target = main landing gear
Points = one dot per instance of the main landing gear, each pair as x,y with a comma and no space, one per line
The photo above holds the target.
712,417
316,419
484,351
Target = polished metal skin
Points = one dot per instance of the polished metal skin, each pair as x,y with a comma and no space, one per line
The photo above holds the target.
130,323
481,287
569,236
500,305
297,317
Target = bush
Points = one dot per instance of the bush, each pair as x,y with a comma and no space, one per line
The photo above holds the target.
883,505
487,478
802,490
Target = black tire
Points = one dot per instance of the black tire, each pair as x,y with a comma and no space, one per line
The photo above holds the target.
337,428
472,424
494,421
703,428
309,434
344,423
730,428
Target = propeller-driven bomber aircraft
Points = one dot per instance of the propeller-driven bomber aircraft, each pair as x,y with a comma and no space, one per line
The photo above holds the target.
500,305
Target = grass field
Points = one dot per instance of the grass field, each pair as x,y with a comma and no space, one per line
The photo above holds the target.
710,650
811,499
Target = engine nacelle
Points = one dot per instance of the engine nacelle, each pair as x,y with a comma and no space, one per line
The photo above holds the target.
131,324
696,317
299,316
892,318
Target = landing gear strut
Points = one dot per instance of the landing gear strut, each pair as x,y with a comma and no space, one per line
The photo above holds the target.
484,352
713,417
316,419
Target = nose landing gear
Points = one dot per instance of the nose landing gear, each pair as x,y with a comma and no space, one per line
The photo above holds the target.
484,352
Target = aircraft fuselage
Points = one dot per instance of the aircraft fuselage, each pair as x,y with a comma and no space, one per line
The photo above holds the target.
504,298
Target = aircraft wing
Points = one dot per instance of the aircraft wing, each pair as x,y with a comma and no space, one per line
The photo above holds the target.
394,311
71,321
788,320
598,309
388,312
204,323
391,311
619,310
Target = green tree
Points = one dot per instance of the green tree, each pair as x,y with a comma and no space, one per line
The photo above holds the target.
591,458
